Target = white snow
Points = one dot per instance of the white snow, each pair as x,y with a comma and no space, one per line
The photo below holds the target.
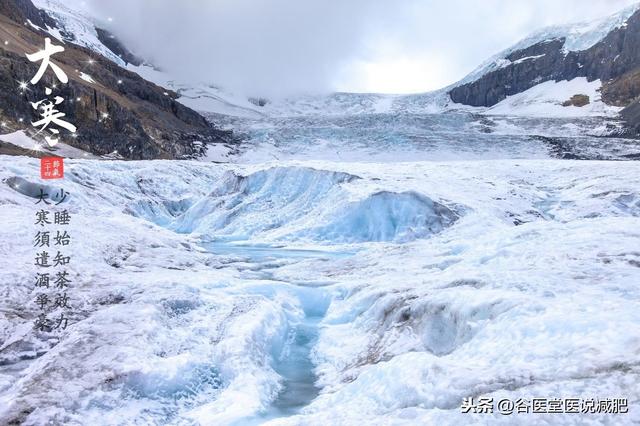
169,332
78,21
86,77
527,58
201,97
545,100
20,138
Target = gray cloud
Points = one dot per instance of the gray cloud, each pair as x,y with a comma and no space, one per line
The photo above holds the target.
255,47
466,32
276,47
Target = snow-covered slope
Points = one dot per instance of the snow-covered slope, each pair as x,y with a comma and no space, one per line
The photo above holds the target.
61,149
200,96
601,51
211,99
546,100
77,24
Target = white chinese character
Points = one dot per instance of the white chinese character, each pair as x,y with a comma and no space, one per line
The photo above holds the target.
605,405
45,57
485,405
589,406
572,405
554,405
468,406
539,405
522,405
51,115
620,405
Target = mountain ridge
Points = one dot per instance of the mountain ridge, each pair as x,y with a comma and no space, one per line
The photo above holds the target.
114,109
614,59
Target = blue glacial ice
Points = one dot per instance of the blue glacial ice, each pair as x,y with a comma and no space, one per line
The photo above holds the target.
385,216
303,203
240,207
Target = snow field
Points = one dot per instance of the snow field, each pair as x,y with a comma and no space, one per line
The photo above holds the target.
514,298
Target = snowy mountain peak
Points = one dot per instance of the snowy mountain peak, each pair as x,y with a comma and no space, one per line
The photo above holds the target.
596,62
76,24
577,37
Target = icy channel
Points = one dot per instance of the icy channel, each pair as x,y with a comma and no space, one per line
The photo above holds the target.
292,358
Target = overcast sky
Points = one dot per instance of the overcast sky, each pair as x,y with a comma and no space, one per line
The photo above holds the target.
280,47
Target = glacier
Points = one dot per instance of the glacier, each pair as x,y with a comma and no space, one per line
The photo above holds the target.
303,292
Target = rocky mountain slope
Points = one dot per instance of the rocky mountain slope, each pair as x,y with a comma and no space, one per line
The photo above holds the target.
114,110
607,50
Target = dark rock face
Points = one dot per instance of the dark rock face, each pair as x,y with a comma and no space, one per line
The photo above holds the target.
613,56
23,10
114,45
118,111
8,149
631,115
622,91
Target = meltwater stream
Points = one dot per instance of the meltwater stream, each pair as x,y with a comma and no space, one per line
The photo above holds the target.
293,363
296,368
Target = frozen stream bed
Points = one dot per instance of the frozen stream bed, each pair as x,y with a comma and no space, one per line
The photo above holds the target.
292,361
301,292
